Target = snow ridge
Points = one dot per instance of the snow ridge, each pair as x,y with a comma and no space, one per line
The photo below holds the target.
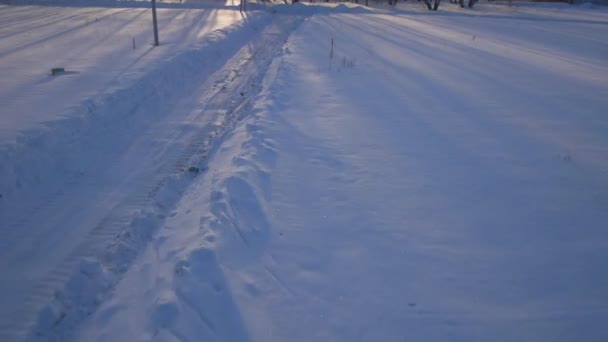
37,162
97,270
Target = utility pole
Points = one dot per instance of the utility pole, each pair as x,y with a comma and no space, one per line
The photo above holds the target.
154,22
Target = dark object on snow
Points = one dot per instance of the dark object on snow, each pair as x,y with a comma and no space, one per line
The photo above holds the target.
55,71
193,169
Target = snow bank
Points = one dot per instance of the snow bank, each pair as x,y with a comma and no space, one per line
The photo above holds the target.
189,296
43,163
232,86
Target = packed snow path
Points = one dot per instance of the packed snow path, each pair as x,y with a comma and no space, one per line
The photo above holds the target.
442,177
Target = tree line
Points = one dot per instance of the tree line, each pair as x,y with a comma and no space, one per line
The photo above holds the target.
432,5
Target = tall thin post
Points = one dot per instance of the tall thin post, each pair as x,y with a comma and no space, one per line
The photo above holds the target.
154,22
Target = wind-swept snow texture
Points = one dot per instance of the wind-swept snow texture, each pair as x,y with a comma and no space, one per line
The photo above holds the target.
100,49
444,177
433,177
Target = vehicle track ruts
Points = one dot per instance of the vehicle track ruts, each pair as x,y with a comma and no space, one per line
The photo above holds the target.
227,94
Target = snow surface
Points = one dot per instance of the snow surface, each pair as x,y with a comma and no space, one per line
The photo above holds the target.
86,167
433,177
94,45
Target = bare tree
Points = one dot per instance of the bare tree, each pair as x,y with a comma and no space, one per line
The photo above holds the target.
432,6
470,4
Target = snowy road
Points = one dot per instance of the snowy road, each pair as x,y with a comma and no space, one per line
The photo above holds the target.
83,169
442,177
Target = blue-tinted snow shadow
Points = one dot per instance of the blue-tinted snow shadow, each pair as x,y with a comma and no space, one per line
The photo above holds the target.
120,4
500,142
204,301
483,165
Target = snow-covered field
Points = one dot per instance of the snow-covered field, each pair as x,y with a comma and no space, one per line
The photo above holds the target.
100,48
431,177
